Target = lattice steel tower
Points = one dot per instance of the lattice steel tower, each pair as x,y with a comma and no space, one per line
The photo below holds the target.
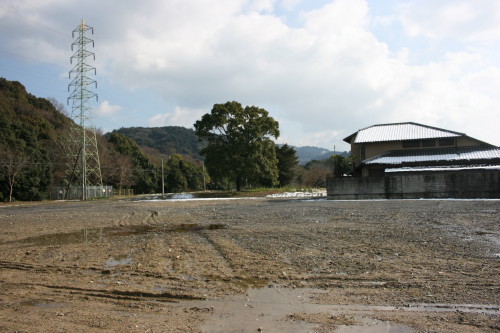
84,169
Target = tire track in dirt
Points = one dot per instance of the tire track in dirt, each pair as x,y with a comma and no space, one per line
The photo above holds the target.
125,294
31,276
126,219
132,218
217,259
17,266
191,255
129,295
33,268
152,217
245,263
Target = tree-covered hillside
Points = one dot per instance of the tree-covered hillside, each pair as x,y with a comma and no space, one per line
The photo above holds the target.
170,140
33,150
34,135
31,136
166,140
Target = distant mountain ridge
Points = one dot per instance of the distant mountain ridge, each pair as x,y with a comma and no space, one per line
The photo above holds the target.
310,153
180,140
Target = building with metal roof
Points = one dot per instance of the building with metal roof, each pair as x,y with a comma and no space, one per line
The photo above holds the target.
400,132
387,146
412,161
455,155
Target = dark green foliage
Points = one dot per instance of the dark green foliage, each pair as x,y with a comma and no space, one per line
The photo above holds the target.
287,164
176,179
239,146
167,140
176,182
145,173
34,128
31,126
340,165
36,178
182,175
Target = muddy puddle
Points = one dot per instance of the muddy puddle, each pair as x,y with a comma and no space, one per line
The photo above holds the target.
278,309
294,310
41,304
99,235
113,262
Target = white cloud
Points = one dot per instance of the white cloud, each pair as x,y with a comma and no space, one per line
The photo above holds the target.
465,20
104,109
319,139
323,79
289,4
447,95
262,5
330,75
178,117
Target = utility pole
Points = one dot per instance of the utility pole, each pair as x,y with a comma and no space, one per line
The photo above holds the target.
83,157
334,162
162,179
204,182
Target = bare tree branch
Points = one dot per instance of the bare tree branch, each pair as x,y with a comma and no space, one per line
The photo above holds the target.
13,162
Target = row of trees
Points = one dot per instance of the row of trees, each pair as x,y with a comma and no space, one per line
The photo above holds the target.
33,150
125,165
238,150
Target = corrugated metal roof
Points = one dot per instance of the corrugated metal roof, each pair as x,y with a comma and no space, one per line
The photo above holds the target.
436,155
402,131
452,168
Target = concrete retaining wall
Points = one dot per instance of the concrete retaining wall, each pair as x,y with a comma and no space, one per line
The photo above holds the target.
416,185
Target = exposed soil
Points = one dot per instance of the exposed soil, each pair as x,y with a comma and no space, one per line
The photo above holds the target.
176,266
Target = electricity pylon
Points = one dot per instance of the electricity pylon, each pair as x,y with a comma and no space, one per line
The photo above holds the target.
84,168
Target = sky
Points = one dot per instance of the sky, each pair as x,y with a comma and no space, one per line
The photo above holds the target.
322,68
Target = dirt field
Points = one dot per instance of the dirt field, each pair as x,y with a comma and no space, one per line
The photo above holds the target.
274,265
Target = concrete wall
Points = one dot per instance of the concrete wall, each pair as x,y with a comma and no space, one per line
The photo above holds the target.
416,185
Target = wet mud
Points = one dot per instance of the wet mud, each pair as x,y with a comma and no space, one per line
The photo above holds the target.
250,265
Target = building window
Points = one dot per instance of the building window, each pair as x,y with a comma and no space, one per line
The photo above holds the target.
411,144
429,143
447,142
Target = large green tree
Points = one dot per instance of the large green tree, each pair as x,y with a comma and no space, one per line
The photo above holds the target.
239,144
287,164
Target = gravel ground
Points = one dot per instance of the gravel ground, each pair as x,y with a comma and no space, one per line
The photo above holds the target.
174,266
